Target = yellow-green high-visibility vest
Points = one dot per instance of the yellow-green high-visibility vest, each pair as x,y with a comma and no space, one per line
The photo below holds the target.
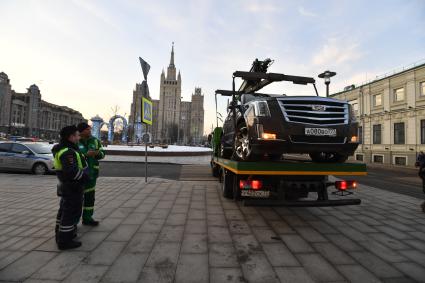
58,164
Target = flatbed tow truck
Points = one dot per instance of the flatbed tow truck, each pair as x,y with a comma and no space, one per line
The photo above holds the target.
285,182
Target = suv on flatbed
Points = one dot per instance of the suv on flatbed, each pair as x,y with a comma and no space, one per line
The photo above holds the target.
271,125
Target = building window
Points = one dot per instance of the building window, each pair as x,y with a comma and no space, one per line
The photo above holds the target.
377,100
359,157
400,160
360,135
422,131
355,106
399,94
377,134
399,137
422,88
378,158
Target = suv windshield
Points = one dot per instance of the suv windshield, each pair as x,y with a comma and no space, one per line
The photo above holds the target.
39,148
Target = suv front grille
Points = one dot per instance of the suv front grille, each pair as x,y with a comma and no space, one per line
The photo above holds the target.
321,112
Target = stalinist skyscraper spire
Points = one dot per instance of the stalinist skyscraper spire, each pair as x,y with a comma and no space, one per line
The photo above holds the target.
171,70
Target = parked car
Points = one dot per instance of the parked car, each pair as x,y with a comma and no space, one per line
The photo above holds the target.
26,156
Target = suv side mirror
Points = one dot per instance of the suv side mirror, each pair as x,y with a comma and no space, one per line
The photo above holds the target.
26,152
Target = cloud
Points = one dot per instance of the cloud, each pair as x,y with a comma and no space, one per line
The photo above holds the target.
306,13
337,51
260,7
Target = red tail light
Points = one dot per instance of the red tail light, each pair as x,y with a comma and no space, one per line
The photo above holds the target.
250,184
345,185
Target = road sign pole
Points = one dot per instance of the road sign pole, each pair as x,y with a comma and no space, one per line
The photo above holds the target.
146,162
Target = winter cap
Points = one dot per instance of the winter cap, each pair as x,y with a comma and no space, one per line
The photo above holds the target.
82,126
67,131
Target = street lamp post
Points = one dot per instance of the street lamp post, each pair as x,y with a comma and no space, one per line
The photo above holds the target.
327,76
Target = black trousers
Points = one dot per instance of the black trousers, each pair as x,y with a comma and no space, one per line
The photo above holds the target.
421,174
68,216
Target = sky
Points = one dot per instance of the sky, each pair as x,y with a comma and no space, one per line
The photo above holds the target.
84,54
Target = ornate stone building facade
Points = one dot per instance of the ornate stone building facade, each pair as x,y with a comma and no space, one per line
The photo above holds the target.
174,120
391,115
26,114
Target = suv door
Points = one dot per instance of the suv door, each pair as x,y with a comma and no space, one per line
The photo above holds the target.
5,155
21,157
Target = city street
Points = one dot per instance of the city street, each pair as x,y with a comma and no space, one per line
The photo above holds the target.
185,231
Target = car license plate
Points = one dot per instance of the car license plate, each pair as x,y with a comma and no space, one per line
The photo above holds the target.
255,194
320,132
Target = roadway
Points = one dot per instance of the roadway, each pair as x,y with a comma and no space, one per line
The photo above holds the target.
395,179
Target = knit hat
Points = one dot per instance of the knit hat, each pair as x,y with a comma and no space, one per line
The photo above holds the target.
67,131
82,126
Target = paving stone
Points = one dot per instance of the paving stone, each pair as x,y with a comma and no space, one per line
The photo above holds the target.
322,227
281,227
382,251
420,245
107,224
126,268
196,226
256,268
192,268
151,225
86,273
415,256
61,266
176,219
164,254
344,243
216,220
121,212
239,227
26,265
356,273
123,233
266,235
296,244
171,234
279,255
412,270
333,254
7,257
194,243
106,253
219,235
91,240
376,265
319,268
389,241
157,274
135,218
222,255
246,244
141,243
293,274
310,234
229,275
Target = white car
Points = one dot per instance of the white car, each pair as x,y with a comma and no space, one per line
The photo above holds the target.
26,156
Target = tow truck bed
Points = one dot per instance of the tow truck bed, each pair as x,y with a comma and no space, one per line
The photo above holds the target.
284,183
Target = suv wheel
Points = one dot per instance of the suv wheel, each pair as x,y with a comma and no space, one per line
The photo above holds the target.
39,169
328,157
242,146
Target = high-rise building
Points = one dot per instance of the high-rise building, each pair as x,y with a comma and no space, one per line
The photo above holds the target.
174,120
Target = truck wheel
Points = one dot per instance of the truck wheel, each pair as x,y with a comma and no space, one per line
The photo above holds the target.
228,184
328,157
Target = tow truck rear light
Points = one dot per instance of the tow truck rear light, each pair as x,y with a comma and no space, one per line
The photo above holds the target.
250,184
345,185
354,139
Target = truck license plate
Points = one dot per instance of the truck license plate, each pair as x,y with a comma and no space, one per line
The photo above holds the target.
255,194
320,132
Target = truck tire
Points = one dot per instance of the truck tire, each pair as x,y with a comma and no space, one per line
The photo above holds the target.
328,157
228,183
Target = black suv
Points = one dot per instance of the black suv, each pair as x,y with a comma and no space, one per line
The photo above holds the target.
269,125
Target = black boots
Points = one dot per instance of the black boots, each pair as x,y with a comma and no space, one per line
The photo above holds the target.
68,245
91,222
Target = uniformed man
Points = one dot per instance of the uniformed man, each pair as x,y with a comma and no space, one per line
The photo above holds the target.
92,149
420,162
72,172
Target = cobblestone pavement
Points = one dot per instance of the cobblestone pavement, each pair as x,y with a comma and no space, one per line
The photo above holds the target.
184,231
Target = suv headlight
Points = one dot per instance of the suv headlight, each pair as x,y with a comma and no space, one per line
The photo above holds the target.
261,109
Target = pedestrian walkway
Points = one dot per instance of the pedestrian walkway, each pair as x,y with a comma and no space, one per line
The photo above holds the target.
184,231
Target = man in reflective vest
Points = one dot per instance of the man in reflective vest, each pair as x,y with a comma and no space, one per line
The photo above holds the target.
72,172
92,149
